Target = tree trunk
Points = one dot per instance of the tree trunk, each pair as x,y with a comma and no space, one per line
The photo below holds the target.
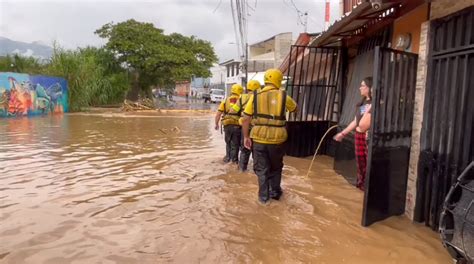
148,93
132,95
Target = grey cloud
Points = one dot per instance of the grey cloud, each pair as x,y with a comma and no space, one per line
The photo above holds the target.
73,23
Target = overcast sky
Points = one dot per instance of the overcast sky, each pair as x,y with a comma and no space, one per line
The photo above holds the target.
72,22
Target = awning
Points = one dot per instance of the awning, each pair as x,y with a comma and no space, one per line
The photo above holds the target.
364,20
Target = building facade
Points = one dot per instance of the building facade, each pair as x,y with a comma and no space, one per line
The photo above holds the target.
183,88
420,54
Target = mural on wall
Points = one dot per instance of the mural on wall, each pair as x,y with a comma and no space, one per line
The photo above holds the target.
23,94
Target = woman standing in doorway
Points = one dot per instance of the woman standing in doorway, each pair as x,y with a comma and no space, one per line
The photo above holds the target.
361,124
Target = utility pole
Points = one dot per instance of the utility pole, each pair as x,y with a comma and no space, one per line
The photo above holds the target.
246,64
305,22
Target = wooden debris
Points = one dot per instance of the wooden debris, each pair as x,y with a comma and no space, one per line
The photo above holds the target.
176,129
142,104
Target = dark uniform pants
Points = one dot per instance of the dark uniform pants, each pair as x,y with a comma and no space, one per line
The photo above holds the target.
232,141
244,154
268,165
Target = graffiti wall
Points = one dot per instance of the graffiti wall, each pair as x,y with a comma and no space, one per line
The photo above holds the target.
26,95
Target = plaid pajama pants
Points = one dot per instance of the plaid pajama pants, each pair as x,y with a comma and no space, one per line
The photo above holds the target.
361,158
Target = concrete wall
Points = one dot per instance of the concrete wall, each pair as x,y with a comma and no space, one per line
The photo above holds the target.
264,56
274,49
261,65
255,51
441,8
282,46
417,119
27,95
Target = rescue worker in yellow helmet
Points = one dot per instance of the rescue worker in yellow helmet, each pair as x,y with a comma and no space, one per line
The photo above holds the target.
252,85
268,109
230,120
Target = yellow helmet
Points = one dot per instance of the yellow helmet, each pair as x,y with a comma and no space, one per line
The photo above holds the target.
253,85
273,76
236,89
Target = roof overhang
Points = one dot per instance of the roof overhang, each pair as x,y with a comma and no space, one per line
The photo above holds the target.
228,62
364,20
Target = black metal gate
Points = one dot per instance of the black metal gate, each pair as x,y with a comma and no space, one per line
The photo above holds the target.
355,70
447,132
313,81
390,135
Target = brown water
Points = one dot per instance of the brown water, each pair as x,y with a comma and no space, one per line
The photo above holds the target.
138,189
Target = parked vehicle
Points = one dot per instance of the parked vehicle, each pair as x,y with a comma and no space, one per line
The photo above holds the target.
217,95
157,93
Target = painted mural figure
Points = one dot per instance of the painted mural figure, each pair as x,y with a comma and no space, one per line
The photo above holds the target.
43,100
21,94
4,101
55,93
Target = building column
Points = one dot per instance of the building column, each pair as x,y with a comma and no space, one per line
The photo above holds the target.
421,80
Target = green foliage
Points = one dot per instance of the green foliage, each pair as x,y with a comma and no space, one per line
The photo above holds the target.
20,64
157,58
94,78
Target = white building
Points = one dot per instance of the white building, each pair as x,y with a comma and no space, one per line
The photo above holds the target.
233,74
263,55
219,75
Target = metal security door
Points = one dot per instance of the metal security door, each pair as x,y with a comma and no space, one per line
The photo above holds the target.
447,145
390,134
313,81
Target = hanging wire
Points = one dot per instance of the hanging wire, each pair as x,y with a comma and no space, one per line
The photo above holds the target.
217,7
299,13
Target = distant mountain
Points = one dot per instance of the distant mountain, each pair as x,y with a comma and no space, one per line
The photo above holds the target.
35,49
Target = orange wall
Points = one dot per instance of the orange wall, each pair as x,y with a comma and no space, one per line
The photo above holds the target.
182,88
411,23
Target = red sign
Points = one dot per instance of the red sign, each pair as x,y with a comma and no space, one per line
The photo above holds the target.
327,12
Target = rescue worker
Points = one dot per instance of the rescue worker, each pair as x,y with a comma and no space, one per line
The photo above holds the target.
252,85
230,120
268,109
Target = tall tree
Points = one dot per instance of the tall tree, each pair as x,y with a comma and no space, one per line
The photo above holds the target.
154,57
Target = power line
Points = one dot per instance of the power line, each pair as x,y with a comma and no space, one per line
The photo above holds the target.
217,7
299,14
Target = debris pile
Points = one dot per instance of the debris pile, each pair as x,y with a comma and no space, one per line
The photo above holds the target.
141,104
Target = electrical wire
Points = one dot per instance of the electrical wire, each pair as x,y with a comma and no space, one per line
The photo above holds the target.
299,13
217,7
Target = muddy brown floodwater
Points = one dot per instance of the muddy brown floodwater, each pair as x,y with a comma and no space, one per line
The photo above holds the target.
112,188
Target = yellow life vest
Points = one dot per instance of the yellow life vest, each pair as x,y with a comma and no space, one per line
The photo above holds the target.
269,117
244,99
230,117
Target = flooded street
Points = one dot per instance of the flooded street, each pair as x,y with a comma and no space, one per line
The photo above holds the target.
115,188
